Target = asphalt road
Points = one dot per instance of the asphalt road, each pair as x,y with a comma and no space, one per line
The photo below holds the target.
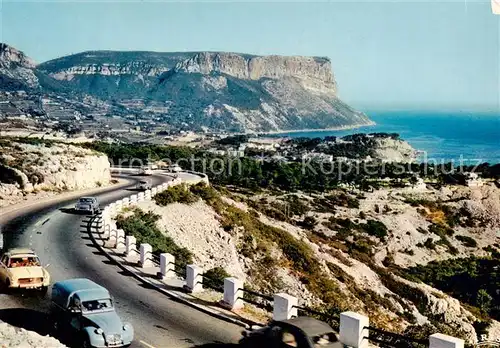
60,239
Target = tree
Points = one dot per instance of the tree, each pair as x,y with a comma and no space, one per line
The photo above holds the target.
483,300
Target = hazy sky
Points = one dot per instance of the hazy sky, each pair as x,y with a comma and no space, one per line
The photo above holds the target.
398,54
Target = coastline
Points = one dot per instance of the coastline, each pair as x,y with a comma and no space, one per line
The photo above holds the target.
315,129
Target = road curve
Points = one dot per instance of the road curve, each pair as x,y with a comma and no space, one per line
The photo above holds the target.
61,240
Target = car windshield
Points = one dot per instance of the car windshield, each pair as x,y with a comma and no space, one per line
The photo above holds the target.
96,305
144,182
30,261
86,200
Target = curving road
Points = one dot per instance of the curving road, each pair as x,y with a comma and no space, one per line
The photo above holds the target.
61,240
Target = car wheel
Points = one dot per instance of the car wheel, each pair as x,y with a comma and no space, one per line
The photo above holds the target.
6,286
43,290
55,325
86,342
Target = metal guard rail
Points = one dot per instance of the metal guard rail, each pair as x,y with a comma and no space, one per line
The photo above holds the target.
399,341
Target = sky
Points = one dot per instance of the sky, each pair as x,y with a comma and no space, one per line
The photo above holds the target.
440,55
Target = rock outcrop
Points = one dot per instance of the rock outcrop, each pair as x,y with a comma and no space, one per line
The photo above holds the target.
312,71
16,69
28,169
11,336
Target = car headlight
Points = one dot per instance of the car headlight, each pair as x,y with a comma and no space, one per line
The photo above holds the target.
127,327
99,331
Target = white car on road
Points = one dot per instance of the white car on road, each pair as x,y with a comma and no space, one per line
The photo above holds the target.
174,168
145,171
144,185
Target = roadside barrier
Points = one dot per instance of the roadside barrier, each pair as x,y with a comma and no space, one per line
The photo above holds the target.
354,328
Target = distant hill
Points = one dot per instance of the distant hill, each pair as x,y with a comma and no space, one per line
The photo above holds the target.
209,90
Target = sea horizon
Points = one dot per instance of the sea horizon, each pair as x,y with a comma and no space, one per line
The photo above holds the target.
458,137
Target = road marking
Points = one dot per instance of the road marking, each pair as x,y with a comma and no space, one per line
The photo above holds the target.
146,344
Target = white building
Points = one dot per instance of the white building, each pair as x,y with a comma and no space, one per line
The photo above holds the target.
473,180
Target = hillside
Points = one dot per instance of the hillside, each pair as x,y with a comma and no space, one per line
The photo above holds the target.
351,250
194,90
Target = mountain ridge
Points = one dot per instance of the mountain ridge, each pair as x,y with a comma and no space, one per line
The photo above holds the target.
229,91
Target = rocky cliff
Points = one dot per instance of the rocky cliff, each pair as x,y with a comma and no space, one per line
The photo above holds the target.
16,69
29,169
203,90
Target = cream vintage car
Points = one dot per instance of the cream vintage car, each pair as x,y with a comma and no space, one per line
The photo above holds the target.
20,268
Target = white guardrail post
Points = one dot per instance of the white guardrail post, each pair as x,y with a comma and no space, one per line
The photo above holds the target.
140,197
284,306
130,245
167,265
147,195
444,341
112,238
146,251
194,278
354,330
233,293
133,199
120,240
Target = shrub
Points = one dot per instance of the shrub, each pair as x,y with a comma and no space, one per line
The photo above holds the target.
309,222
467,241
375,228
143,226
214,278
471,280
178,193
429,244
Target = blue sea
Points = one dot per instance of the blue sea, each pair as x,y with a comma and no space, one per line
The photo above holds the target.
443,137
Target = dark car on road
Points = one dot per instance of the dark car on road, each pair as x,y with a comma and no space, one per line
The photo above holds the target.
300,332
87,204
85,311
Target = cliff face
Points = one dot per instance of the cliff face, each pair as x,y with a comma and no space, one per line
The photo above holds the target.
310,70
27,168
16,69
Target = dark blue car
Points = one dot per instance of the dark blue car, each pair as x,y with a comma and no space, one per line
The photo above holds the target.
85,307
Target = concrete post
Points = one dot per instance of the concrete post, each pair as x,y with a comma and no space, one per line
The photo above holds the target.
194,278
154,191
284,307
112,238
118,206
444,341
130,245
133,199
167,265
107,231
125,202
112,209
165,186
147,195
120,239
233,293
146,255
354,330
140,197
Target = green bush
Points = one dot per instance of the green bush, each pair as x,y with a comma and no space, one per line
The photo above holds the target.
175,194
142,226
471,280
375,228
467,241
214,278
309,222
